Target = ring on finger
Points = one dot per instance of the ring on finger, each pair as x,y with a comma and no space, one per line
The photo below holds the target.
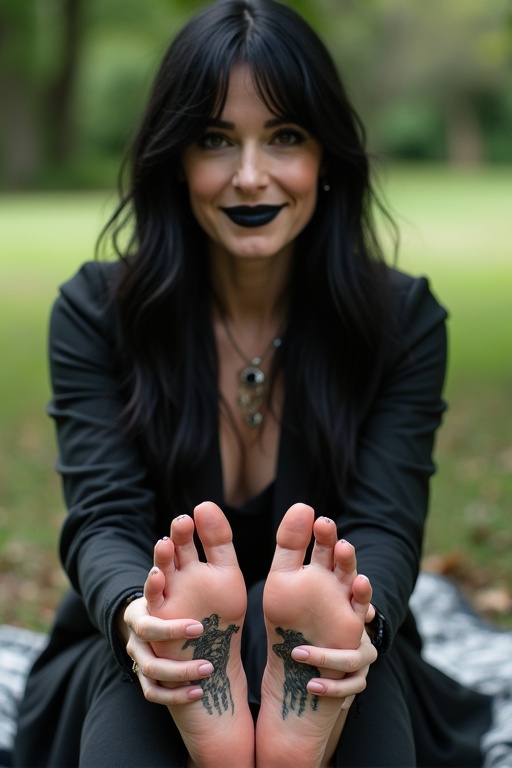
135,667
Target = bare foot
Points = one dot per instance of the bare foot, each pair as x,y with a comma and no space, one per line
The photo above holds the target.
218,724
322,604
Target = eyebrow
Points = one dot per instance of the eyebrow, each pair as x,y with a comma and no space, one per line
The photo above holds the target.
216,122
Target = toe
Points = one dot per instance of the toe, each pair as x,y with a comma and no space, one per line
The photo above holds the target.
346,562
154,590
362,592
215,533
324,530
182,534
293,537
163,555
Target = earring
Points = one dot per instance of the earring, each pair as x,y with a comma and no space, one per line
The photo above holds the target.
326,187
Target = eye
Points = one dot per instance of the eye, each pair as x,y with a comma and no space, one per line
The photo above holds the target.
289,137
212,140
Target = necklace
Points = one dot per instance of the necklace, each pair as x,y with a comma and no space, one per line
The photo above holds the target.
251,393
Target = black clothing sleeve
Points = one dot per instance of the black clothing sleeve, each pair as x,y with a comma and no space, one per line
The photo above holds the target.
108,537
389,495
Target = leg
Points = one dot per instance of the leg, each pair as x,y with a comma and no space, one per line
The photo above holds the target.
217,727
322,604
121,728
379,731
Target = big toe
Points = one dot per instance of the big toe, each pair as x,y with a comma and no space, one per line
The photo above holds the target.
293,536
215,533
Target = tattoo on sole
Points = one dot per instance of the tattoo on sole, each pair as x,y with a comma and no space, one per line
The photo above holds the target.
213,645
296,675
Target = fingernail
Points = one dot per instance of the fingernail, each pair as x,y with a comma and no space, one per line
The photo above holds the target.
164,538
194,630
205,669
195,693
300,654
155,570
315,687
329,519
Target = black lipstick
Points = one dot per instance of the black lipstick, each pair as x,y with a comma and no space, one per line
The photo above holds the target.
252,215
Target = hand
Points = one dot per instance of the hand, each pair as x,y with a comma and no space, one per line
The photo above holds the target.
163,681
353,663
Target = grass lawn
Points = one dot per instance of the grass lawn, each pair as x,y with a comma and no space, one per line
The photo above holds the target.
455,229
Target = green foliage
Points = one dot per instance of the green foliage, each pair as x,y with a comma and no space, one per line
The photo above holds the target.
412,131
431,80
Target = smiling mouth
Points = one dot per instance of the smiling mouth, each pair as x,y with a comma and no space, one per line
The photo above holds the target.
252,215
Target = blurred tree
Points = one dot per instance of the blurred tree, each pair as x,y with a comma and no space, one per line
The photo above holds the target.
40,44
61,90
415,65
21,150
431,80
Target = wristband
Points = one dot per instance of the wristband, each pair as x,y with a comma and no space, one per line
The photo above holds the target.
378,632
134,596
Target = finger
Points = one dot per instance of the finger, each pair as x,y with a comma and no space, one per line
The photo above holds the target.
343,688
293,537
347,662
215,533
151,629
172,673
324,531
182,534
169,696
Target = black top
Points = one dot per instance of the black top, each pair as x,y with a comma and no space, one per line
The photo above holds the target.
115,514
253,539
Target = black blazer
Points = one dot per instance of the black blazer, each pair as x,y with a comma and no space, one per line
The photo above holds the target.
115,516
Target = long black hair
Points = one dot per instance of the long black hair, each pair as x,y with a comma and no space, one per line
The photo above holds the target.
163,292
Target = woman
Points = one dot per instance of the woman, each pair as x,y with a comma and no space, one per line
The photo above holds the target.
249,348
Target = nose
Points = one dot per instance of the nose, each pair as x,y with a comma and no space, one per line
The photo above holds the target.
251,173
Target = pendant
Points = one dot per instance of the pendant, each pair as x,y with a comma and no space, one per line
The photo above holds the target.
252,376
251,393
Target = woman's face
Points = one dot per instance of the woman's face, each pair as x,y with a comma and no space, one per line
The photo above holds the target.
252,177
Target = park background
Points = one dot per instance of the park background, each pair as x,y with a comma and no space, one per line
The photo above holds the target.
433,83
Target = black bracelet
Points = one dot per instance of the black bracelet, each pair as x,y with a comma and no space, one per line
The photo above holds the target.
134,596
378,632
